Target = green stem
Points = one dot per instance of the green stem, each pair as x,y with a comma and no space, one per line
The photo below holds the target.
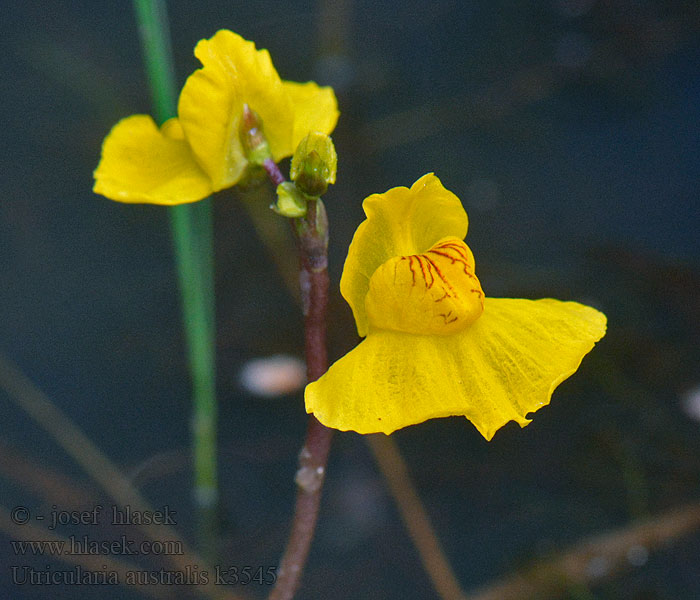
191,226
152,19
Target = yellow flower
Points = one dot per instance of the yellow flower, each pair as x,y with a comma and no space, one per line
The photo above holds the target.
200,151
435,346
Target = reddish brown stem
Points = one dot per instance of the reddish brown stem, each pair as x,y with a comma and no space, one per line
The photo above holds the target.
273,171
309,479
312,237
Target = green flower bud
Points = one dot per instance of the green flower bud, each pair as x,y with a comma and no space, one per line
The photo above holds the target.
314,164
290,201
253,140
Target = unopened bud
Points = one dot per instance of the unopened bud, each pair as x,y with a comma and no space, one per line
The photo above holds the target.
290,201
314,164
253,140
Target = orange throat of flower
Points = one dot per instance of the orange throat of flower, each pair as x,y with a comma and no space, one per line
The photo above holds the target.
434,293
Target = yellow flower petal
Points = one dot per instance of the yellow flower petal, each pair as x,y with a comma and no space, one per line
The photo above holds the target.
211,105
315,109
435,292
400,222
141,163
506,365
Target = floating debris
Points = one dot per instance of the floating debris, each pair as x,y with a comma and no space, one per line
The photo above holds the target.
690,401
273,376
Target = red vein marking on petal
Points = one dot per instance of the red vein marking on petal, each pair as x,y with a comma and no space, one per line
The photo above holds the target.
427,269
456,246
443,297
454,260
447,321
410,266
432,275
460,249
440,275
422,269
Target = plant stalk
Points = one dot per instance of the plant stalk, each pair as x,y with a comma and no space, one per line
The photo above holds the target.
312,238
192,232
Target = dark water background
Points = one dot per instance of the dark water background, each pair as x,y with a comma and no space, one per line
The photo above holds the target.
568,128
